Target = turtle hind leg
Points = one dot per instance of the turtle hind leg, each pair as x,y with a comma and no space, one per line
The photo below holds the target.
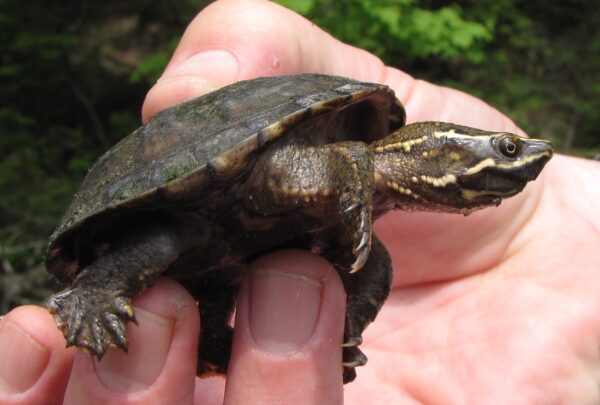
216,304
366,292
93,312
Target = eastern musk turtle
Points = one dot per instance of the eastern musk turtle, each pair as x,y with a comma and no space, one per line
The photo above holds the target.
304,161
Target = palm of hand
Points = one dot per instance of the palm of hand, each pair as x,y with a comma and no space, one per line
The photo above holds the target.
501,303
496,302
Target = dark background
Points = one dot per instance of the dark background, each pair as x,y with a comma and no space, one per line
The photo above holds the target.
74,74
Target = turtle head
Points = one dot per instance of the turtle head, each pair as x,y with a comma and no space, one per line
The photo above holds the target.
451,168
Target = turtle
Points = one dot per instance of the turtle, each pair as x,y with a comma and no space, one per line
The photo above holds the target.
306,161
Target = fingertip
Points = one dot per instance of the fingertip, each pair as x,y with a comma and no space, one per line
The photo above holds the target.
288,331
199,74
210,390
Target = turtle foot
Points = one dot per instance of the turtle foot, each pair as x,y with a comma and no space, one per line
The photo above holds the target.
91,320
352,357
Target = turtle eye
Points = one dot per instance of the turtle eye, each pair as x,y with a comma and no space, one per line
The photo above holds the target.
510,145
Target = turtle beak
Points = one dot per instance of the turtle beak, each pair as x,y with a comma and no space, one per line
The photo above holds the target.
505,178
536,153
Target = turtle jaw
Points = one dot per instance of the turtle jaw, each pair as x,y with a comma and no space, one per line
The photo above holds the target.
493,179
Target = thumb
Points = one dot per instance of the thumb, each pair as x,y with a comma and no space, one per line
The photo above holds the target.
234,40
288,332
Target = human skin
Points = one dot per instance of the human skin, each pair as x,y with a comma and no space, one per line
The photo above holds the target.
498,307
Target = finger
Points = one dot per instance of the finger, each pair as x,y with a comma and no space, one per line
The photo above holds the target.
288,333
261,39
34,364
240,39
159,367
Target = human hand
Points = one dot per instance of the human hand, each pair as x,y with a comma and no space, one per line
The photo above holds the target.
497,307
274,341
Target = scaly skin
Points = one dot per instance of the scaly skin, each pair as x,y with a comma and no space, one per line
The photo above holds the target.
93,311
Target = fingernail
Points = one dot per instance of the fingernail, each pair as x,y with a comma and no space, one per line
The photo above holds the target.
22,359
284,310
148,348
216,66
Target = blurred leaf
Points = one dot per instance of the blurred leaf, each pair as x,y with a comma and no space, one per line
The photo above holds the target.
400,26
301,6
150,69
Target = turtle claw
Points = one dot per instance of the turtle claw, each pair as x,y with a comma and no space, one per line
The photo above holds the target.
353,357
358,221
117,329
362,240
352,207
92,322
357,362
353,341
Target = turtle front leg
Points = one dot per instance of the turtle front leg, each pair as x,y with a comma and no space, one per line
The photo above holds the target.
353,175
366,292
332,182
93,311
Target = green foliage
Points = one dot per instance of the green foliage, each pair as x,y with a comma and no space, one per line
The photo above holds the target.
422,33
300,6
399,27
150,69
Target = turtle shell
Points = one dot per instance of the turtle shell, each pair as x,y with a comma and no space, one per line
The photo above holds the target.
209,142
